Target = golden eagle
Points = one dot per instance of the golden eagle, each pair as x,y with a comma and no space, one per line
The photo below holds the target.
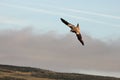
74,29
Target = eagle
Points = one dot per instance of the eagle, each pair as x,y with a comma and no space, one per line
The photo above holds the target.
74,29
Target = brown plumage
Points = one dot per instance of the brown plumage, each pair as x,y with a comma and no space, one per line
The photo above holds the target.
74,29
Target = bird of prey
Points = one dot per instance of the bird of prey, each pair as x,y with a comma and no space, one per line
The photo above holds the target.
74,29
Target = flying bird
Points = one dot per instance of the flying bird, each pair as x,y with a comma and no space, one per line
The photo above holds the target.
74,29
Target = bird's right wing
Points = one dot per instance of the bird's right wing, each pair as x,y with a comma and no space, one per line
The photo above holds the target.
67,23
79,37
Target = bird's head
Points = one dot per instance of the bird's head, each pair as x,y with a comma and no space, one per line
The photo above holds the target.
77,25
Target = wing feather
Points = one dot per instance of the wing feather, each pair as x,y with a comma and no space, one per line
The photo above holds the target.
79,37
67,23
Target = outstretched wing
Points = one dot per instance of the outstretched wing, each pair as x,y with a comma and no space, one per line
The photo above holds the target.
67,23
79,37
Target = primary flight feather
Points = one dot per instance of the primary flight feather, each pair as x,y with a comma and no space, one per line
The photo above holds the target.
74,29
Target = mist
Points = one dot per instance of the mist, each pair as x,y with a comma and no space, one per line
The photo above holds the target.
57,52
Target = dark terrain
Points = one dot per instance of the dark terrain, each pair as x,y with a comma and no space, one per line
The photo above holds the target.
9,72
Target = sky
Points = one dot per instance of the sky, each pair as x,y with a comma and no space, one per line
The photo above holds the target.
31,34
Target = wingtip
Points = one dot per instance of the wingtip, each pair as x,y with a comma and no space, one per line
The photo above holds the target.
61,18
82,42
83,45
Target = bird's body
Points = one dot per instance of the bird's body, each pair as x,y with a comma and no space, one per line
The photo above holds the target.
74,29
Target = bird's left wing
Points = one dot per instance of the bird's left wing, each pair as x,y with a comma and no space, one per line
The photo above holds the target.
67,23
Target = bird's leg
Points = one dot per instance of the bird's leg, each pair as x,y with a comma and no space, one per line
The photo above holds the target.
72,31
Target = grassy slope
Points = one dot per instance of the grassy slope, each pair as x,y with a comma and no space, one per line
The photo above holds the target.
8,72
17,75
